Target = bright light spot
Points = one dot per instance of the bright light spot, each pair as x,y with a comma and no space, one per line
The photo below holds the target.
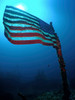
21,7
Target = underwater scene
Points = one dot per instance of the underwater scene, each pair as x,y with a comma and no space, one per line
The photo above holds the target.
37,52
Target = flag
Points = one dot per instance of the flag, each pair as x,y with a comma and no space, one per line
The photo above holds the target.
24,28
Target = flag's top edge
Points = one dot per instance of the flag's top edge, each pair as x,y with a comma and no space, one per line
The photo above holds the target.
19,10
7,6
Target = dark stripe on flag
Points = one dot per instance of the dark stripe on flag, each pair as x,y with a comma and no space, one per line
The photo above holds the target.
24,12
29,35
20,17
29,42
27,28
19,22
22,28
14,17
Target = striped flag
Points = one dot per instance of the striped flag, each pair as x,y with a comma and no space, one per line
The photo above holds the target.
24,28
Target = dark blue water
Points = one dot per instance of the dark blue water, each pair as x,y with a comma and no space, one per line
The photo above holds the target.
33,69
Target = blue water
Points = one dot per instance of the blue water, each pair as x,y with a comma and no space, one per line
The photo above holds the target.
34,68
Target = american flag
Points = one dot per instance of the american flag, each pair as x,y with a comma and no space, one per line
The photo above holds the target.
24,28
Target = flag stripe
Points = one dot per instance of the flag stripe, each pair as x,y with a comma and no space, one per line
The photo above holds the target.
10,20
29,38
30,35
29,41
41,32
18,24
28,31
22,28
19,12
15,16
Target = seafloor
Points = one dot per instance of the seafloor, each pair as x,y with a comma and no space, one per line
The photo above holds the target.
50,95
54,95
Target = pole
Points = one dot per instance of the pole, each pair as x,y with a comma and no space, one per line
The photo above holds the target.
64,76
62,67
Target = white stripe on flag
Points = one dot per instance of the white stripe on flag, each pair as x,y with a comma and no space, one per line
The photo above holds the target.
10,19
28,31
30,38
20,16
18,25
24,13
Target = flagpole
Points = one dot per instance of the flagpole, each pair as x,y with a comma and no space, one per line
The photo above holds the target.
66,90
62,68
